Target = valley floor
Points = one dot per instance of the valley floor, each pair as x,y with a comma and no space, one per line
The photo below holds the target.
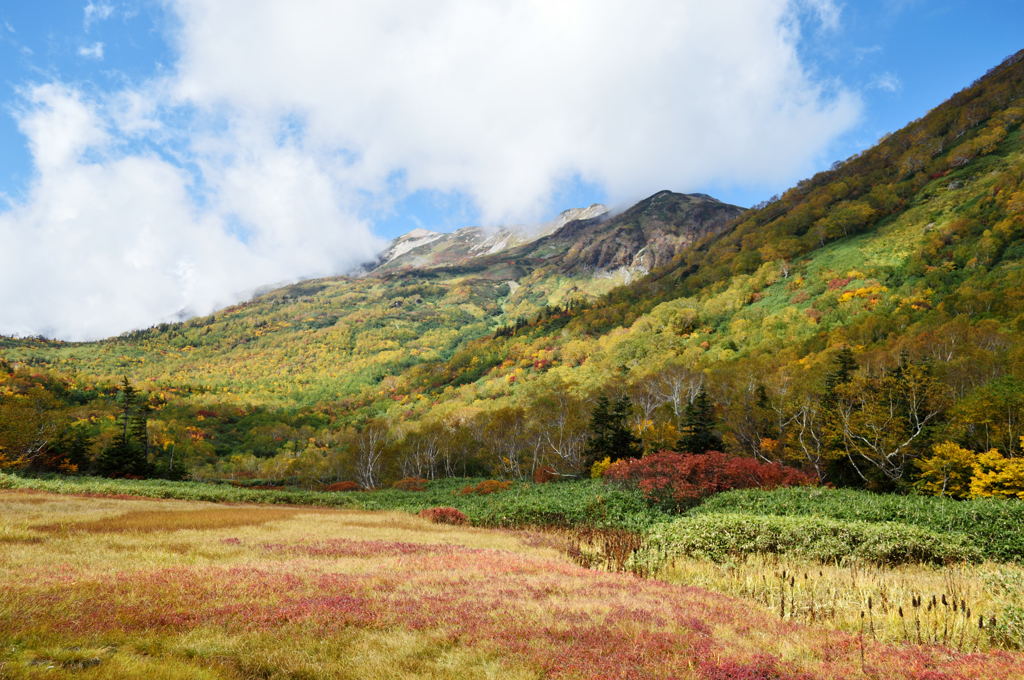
130,588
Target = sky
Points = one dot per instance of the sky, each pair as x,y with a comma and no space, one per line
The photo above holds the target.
165,158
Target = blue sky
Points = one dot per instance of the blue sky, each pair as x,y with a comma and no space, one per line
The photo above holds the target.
206,147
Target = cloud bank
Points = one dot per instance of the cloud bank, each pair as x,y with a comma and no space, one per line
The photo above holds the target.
283,128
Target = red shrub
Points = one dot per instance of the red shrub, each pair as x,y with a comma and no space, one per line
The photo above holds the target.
486,487
444,515
411,484
343,486
678,480
544,474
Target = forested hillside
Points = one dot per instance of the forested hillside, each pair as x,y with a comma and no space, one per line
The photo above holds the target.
849,326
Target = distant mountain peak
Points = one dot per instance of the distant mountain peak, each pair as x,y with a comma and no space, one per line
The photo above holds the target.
422,248
418,233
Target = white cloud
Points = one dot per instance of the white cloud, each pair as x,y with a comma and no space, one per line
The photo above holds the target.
281,123
827,11
59,126
505,100
888,82
109,240
96,11
94,51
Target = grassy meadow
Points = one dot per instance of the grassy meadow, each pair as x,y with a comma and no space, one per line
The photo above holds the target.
123,587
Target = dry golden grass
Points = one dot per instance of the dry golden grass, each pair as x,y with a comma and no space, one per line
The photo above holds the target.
956,606
149,521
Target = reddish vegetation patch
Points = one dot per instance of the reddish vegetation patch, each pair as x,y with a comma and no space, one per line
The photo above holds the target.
147,521
343,547
485,487
679,480
761,667
411,484
545,474
445,515
343,486
561,619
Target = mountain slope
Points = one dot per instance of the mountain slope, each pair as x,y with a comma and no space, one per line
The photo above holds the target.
911,254
337,338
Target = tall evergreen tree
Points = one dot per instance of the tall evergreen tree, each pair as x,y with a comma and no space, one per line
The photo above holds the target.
843,366
699,423
127,455
610,436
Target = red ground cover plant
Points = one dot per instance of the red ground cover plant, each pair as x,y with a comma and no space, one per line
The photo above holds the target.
677,481
343,486
445,515
486,487
411,484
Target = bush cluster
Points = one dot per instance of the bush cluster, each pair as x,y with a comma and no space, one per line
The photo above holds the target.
721,536
445,515
485,487
343,486
676,481
545,474
995,526
410,484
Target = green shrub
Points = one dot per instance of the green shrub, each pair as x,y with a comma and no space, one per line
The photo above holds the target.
721,536
994,526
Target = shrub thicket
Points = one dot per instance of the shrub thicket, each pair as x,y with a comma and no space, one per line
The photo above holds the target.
676,481
721,536
411,484
488,486
343,486
445,515
995,526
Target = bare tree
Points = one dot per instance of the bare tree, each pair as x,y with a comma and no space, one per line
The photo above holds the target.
370,444
678,386
885,421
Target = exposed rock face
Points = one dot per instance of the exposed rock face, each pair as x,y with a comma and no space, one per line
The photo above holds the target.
423,249
406,242
580,242
646,236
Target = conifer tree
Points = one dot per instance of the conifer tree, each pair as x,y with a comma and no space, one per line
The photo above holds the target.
843,366
127,455
610,436
699,425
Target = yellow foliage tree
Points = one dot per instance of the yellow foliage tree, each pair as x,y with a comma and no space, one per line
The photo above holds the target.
997,476
599,466
947,472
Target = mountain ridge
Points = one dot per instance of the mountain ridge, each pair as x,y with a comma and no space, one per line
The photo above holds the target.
422,248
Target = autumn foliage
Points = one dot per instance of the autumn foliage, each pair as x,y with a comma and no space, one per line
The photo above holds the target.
444,515
677,480
343,486
485,487
411,484
545,474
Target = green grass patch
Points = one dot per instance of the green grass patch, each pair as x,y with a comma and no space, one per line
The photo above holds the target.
719,537
563,504
995,526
